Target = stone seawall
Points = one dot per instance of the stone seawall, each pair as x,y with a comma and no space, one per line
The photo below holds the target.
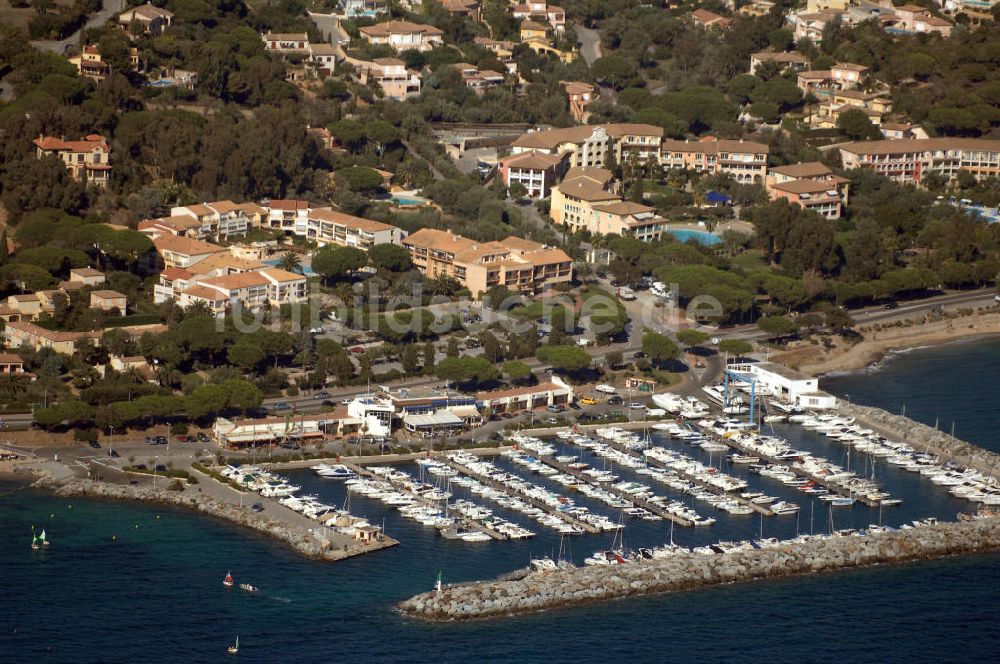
311,544
923,438
564,588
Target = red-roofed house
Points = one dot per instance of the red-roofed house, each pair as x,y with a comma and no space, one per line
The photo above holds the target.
87,159
710,20
535,171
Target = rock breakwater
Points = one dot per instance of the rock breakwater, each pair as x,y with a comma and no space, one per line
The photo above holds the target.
565,588
318,543
923,437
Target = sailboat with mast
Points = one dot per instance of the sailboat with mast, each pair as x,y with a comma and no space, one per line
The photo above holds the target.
38,541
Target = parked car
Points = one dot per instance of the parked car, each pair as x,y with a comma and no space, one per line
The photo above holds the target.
96,445
316,330
588,401
322,394
113,454
257,507
638,355
555,408
181,438
575,406
161,440
892,305
551,420
357,350
161,468
615,400
202,438
635,405
280,405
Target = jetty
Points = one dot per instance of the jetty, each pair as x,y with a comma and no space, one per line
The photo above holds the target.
797,470
476,524
624,495
686,571
531,500
710,488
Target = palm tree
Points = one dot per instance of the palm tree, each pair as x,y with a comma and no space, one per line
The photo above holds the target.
12,385
443,284
290,262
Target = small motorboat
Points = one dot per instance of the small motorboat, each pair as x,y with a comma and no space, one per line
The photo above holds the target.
234,647
228,581
249,587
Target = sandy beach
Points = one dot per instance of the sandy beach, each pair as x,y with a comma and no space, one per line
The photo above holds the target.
878,341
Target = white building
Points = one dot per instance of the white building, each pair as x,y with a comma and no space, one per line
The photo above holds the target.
787,385
375,415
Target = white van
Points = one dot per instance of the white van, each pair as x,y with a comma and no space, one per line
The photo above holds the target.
626,293
606,389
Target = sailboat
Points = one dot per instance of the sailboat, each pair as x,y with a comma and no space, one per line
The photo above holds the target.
35,542
228,581
44,540
234,647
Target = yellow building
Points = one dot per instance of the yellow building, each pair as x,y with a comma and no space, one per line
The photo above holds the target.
585,201
518,264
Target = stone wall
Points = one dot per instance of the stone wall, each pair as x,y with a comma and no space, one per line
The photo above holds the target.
563,588
311,544
922,437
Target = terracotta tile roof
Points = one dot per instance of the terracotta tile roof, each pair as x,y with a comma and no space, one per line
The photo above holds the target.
173,273
624,208
283,276
553,138
205,293
537,161
87,144
107,295
577,87
185,245
288,204
889,146
805,186
520,244
350,221
398,28
806,169
286,36
235,281
50,335
86,272
226,262
438,240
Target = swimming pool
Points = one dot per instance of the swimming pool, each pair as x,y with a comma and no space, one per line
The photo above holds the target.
701,237
400,199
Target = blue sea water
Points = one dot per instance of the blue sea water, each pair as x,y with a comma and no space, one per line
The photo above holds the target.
126,583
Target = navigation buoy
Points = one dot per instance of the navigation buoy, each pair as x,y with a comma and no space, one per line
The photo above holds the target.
114,538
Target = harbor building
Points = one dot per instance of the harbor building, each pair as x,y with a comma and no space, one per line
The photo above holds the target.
786,385
550,393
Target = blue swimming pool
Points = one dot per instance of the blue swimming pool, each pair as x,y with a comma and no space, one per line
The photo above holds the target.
408,200
701,237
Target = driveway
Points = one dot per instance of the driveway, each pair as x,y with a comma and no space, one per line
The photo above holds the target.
110,8
590,43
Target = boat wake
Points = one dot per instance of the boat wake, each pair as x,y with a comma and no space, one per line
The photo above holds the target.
283,600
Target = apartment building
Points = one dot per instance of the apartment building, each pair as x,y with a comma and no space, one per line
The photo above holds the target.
87,276
253,289
109,300
403,35
589,145
502,49
288,215
219,218
841,76
745,161
326,226
811,25
518,264
397,82
585,201
184,252
536,171
87,159
22,334
910,160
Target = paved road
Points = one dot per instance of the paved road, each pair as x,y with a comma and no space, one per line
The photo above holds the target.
329,27
109,9
590,43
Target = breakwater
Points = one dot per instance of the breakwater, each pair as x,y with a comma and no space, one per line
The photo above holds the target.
687,571
923,438
314,543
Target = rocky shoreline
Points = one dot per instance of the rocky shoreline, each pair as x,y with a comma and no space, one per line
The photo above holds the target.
566,588
311,544
922,437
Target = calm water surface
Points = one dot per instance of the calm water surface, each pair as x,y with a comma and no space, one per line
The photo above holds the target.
125,583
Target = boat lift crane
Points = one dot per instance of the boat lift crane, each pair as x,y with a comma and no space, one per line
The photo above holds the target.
747,378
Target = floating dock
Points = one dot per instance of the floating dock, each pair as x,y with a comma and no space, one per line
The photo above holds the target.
399,486
531,500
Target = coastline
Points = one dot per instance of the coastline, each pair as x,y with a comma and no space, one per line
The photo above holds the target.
318,543
880,341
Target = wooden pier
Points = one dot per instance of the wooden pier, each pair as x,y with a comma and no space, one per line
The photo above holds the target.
531,500
398,486
711,488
